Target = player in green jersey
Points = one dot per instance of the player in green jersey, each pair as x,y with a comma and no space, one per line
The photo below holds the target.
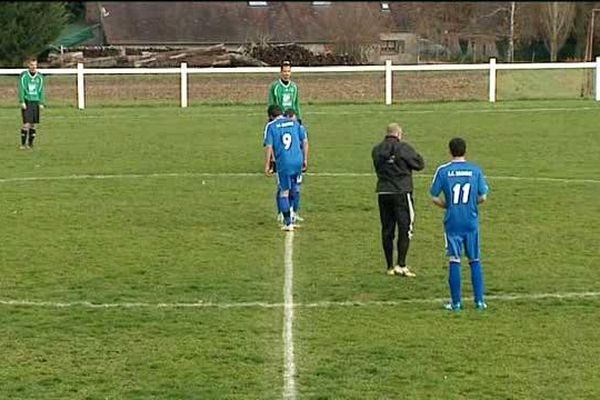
284,93
31,97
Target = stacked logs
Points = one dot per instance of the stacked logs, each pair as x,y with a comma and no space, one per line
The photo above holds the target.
211,56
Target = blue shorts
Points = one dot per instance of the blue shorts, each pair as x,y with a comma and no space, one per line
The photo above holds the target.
287,181
456,241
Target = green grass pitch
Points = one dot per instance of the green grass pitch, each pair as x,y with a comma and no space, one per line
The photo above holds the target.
92,268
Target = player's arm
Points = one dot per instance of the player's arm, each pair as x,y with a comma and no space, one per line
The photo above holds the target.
482,188
303,136
296,106
272,99
268,157
305,151
436,190
375,158
413,159
266,141
438,201
42,92
21,91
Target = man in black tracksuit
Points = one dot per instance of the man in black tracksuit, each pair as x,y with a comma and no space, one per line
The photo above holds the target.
394,161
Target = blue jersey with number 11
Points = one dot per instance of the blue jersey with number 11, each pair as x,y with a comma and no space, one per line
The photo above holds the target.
287,138
462,183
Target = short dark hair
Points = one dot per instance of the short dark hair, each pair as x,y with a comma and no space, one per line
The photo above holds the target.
286,63
458,147
289,112
274,110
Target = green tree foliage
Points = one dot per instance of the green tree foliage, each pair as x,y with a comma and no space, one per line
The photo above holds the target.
28,28
75,10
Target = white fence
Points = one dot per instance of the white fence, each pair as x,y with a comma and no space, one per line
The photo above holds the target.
387,69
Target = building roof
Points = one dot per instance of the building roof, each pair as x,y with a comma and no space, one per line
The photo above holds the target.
235,22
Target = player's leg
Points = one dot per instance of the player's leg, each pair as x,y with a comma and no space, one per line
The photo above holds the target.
388,227
283,200
273,167
405,215
277,194
25,127
291,197
24,134
32,134
454,245
33,110
295,198
35,120
473,253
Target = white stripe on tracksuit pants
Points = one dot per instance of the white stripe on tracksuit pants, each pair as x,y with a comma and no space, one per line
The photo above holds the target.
396,210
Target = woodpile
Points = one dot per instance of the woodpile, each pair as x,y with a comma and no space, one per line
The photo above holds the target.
211,56
297,55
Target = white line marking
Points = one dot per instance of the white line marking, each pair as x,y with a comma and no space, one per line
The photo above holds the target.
319,304
289,388
382,111
257,174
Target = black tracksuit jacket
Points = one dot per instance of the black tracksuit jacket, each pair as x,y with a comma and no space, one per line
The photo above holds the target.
394,161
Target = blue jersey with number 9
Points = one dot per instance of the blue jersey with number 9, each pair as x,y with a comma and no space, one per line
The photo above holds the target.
462,183
287,138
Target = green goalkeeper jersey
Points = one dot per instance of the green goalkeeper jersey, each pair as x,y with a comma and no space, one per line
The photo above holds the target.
31,87
285,96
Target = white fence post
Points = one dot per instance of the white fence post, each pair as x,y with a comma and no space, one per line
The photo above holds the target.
388,68
388,82
184,84
597,81
492,94
80,87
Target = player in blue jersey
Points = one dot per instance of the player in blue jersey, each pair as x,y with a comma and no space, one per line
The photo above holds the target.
464,187
272,167
286,142
295,195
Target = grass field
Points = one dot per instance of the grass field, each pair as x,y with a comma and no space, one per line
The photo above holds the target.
141,258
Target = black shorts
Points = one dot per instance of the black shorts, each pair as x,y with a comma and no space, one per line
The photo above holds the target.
31,113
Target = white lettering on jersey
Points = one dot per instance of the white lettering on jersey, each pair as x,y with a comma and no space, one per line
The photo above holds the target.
460,173
287,100
285,124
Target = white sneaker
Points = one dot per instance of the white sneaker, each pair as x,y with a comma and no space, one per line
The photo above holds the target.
404,271
288,228
298,218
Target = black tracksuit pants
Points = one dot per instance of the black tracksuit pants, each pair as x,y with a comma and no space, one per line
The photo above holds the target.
396,209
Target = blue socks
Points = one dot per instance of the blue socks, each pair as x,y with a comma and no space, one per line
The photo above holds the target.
277,200
295,200
477,280
284,206
454,282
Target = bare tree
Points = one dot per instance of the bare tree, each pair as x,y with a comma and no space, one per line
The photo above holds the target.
354,30
583,16
511,35
556,24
